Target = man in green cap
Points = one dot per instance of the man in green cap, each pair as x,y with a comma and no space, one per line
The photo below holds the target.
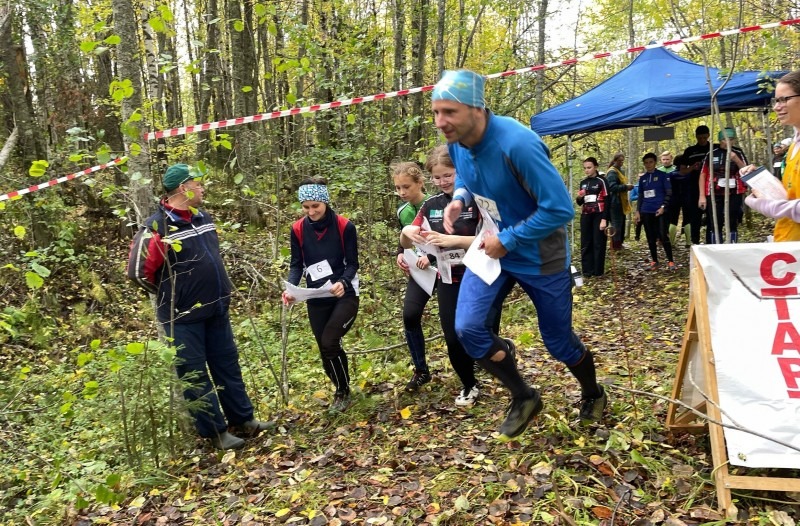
192,292
714,183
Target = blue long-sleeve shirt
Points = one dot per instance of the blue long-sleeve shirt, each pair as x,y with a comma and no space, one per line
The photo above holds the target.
509,174
655,191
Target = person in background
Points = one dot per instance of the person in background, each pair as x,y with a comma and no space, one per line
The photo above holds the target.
325,248
409,183
633,198
505,168
713,182
192,294
681,201
454,246
666,162
654,196
779,150
592,196
787,211
618,205
694,156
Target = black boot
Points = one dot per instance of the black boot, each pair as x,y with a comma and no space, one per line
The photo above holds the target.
525,402
338,371
593,397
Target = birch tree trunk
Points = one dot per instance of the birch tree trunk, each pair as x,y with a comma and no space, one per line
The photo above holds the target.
129,68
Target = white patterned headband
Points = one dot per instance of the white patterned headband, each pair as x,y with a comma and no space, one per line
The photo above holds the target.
313,192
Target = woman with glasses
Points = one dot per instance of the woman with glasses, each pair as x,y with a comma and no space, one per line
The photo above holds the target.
787,211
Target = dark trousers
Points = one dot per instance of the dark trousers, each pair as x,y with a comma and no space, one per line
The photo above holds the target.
207,347
734,216
655,228
463,364
593,245
618,222
330,320
413,308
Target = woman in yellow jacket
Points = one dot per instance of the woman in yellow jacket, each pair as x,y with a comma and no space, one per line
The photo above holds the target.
787,211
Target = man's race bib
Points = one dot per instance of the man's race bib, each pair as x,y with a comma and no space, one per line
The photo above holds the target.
731,183
489,206
320,270
649,194
590,198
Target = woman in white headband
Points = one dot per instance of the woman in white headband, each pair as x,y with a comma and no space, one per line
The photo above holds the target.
324,249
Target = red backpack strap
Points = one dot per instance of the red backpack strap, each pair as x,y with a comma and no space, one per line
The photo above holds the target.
342,224
297,228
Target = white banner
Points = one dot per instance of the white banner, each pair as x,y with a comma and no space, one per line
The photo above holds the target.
753,306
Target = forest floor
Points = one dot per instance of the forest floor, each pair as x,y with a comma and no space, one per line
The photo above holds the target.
400,459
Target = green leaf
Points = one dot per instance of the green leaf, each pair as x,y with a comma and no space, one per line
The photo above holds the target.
135,348
84,358
135,149
157,23
351,118
247,89
238,179
19,231
38,168
33,280
91,389
238,25
291,98
94,345
76,157
112,40
165,12
40,269
88,47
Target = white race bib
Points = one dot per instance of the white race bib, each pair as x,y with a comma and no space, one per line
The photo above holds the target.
489,206
454,256
590,198
649,194
731,183
320,270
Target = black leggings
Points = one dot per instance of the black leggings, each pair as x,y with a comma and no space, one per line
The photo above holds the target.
447,296
655,228
330,321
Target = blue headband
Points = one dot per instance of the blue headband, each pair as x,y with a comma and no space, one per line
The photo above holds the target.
462,86
313,192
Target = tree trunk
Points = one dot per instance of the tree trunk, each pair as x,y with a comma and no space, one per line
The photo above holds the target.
128,68
441,6
419,28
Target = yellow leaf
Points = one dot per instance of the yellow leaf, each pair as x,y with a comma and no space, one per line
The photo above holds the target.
296,495
405,413
189,495
137,502
281,513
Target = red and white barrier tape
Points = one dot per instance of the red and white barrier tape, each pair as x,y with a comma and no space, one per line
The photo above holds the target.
185,130
53,182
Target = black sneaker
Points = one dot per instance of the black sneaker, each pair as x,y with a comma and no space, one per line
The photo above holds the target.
418,380
341,401
592,408
519,415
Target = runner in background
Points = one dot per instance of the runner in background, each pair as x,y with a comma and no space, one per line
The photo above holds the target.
409,183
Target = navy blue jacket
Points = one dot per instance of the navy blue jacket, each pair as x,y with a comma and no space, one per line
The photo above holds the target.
195,272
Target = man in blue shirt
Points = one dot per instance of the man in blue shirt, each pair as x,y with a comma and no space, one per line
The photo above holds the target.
505,168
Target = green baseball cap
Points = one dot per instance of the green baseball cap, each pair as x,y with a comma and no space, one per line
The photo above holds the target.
727,133
176,175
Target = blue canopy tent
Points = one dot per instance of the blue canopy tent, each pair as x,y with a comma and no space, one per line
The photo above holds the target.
657,88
